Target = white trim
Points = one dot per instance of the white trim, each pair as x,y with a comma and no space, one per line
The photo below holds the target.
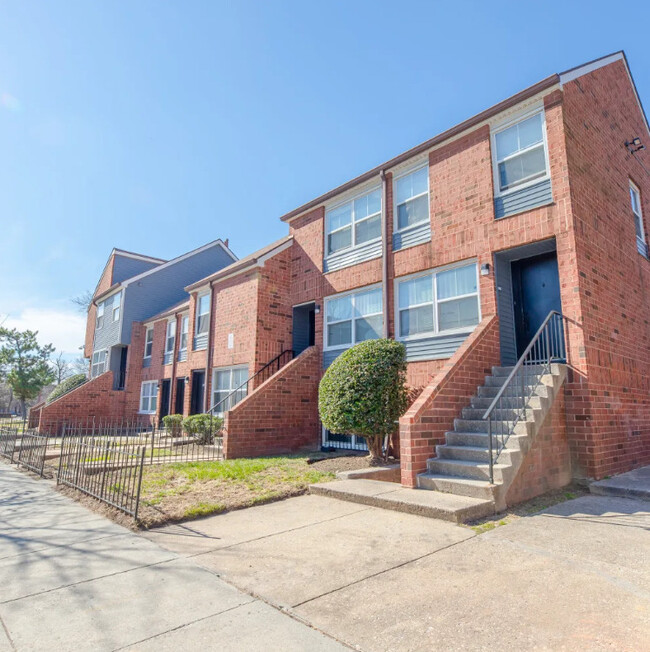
433,272
405,173
118,307
360,290
637,191
148,329
197,305
172,321
502,126
231,368
105,351
184,317
574,73
98,316
151,396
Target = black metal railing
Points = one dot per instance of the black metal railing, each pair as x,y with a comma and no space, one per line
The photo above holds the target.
32,451
512,401
8,438
237,394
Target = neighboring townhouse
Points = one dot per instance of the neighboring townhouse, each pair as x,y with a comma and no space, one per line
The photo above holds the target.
460,248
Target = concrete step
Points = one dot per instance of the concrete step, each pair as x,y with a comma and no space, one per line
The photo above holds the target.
456,485
484,402
498,381
492,390
500,414
505,371
466,469
389,495
480,425
480,440
476,454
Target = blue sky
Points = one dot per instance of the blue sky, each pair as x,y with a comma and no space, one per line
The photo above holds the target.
158,125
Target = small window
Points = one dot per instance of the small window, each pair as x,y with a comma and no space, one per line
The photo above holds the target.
170,340
185,327
202,314
353,318
148,342
224,382
438,302
98,364
99,322
412,198
117,305
354,223
635,199
521,153
149,397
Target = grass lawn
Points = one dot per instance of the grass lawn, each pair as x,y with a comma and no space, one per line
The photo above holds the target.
187,490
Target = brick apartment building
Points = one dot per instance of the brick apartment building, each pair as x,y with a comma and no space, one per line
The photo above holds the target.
459,247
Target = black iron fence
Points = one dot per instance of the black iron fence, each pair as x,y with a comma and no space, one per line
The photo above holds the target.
32,451
8,437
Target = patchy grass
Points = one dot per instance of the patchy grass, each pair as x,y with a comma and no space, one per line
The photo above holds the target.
528,508
183,491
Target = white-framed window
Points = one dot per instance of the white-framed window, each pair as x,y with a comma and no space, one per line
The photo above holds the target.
354,223
202,314
149,397
170,339
98,363
185,328
635,200
99,320
225,381
438,302
411,198
117,305
520,154
353,317
148,342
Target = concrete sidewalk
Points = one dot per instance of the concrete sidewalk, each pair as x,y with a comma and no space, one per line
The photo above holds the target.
73,580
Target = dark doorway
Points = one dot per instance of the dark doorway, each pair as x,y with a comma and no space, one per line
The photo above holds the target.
121,376
165,391
535,292
304,327
198,389
179,400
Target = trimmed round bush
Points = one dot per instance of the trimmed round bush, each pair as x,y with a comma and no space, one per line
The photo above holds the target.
66,386
202,426
363,392
173,424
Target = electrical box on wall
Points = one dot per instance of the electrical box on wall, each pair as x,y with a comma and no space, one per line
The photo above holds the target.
231,340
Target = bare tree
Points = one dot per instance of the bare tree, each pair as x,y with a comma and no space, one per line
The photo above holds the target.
62,369
80,366
83,301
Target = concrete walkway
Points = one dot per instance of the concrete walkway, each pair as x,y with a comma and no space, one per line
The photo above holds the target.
633,484
574,577
73,580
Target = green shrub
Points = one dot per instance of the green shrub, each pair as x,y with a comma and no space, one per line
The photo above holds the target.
173,424
202,426
66,386
364,392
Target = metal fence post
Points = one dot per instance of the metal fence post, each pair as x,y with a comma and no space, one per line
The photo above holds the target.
137,496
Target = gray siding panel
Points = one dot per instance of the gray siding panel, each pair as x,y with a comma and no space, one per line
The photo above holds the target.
109,334
415,235
163,288
200,342
524,199
352,256
505,311
167,358
434,348
182,356
125,268
330,356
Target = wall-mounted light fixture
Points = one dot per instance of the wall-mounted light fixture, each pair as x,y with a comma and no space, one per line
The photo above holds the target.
485,269
317,309
634,145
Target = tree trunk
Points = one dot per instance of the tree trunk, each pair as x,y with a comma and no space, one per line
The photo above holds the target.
375,449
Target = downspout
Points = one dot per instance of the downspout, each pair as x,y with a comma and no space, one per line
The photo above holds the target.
172,389
207,385
384,253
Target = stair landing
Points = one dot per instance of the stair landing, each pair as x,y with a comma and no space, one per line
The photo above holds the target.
390,495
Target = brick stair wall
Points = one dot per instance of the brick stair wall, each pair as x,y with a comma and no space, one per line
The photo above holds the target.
432,414
279,416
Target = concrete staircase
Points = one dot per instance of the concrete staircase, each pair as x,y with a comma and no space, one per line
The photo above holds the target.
461,466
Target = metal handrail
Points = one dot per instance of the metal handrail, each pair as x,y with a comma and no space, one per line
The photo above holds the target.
277,361
548,344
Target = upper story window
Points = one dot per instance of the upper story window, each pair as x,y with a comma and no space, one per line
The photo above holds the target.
117,305
520,154
99,321
635,199
438,302
185,327
98,363
170,340
412,198
148,342
354,223
353,318
202,314
149,397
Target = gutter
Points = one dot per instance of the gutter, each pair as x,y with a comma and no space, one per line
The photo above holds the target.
207,385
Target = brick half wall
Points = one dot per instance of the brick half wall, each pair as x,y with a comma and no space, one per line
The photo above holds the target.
432,414
279,416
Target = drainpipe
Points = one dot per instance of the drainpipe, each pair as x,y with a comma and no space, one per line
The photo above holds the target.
384,252
172,389
207,385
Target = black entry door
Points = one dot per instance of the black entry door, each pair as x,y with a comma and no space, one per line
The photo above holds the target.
304,327
165,395
198,388
179,401
536,291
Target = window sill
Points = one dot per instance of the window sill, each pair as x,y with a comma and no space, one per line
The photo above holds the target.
147,413
432,336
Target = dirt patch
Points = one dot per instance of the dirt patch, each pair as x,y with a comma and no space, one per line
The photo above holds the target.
337,463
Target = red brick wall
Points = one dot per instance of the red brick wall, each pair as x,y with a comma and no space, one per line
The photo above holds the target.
547,464
279,416
432,414
608,400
